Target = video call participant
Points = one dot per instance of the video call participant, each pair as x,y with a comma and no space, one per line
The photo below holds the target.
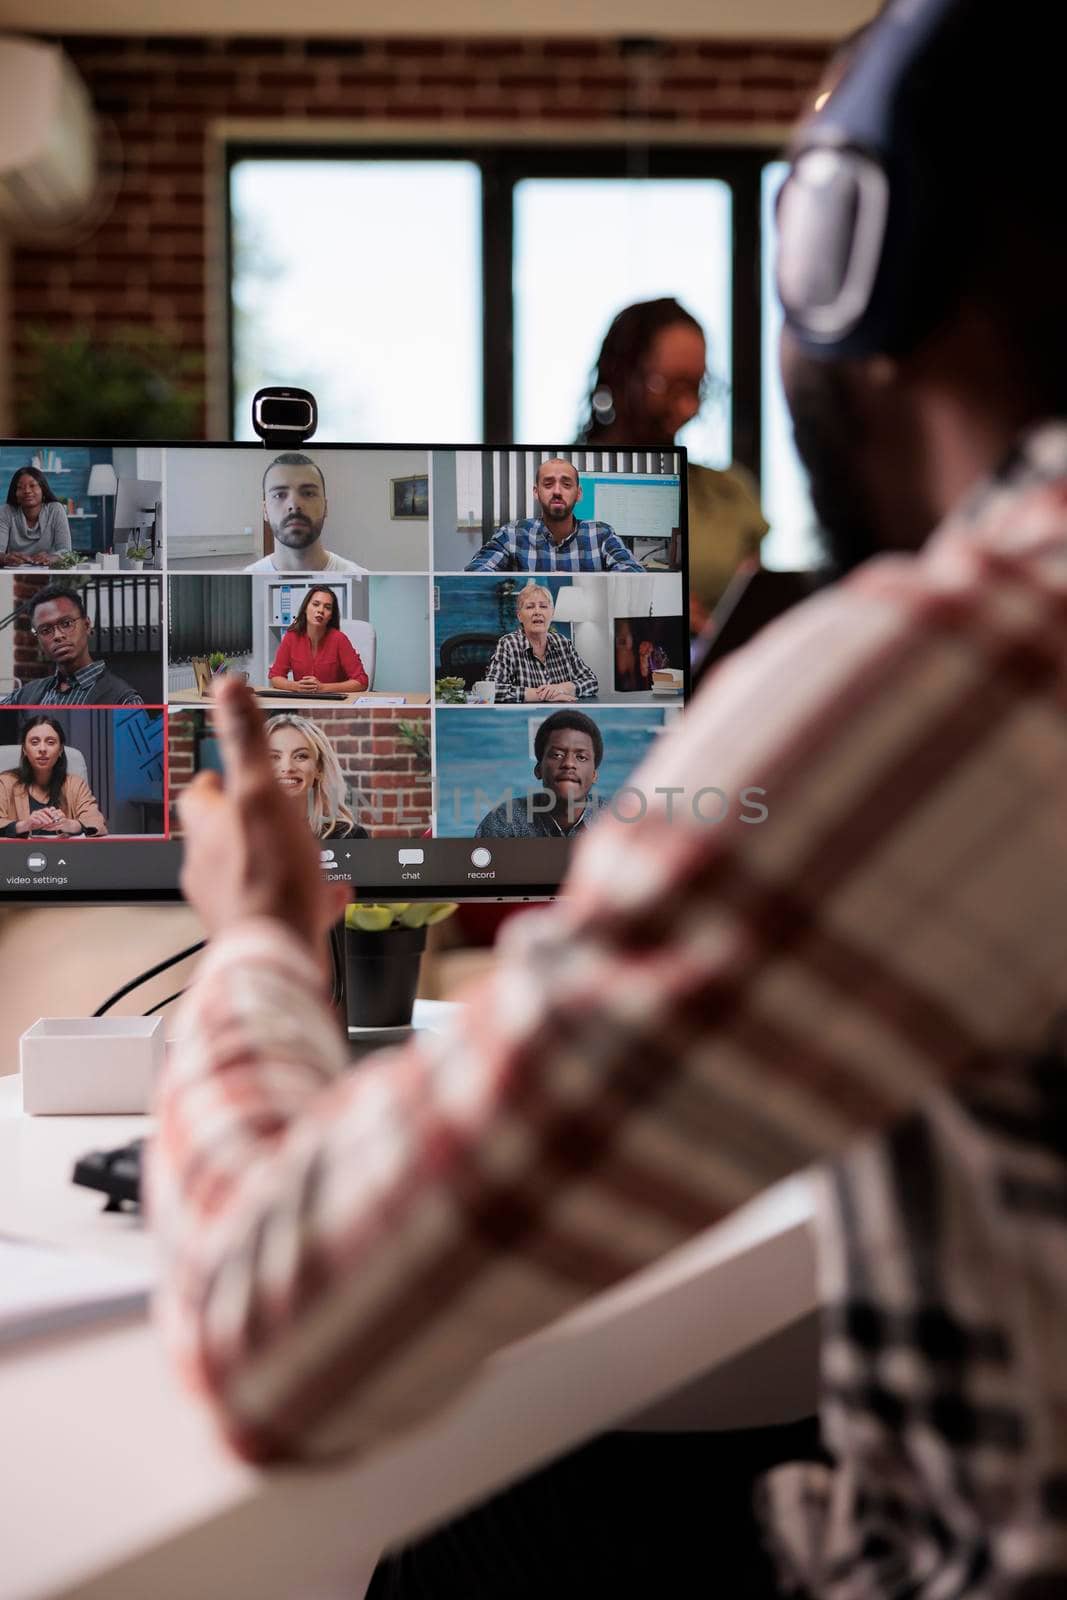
63,628
555,541
33,522
294,504
40,796
568,750
314,652
308,772
533,663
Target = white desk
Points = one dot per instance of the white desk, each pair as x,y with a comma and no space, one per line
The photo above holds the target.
114,1484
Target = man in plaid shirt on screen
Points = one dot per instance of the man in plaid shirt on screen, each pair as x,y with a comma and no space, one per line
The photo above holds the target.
555,541
874,979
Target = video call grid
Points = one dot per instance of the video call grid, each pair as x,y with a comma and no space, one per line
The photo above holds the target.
438,577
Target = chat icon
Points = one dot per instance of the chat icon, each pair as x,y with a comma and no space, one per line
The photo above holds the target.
411,858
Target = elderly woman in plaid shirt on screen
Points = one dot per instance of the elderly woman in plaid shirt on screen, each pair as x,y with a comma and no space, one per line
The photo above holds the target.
533,663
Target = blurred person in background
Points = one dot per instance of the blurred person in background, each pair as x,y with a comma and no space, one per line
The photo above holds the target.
651,378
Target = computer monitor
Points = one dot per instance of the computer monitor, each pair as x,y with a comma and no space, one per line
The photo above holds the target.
465,614
136,502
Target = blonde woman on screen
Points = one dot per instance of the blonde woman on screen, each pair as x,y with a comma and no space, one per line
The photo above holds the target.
307,768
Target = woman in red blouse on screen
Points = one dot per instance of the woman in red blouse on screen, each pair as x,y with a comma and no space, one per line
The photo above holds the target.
314,652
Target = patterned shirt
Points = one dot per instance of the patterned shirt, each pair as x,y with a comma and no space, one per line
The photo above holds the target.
514,667
868,979
525,816
529,547
94,685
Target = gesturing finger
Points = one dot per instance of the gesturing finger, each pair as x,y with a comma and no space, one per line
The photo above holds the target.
204,791
242,741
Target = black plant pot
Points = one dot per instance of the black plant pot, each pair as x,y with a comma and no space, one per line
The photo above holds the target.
382,975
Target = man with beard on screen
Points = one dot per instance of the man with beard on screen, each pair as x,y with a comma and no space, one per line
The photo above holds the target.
556,540
872,983
295,506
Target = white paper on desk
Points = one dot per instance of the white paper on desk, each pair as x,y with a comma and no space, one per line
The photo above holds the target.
43,1288
380,700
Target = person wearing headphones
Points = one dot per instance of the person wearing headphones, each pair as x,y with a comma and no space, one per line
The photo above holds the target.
872,980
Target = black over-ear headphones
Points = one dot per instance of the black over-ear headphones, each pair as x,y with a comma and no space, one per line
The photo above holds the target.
856,216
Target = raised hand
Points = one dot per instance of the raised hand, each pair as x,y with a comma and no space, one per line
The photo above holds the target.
246,852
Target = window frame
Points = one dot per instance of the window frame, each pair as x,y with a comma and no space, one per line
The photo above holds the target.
503,164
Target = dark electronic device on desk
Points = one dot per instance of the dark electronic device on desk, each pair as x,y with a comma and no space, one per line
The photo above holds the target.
456,759
116,1173
752,601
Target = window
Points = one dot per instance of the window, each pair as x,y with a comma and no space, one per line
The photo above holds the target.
587,247
360,280
454,294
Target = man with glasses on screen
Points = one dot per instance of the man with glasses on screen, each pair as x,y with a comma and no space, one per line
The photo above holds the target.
294,504
556,541
62,628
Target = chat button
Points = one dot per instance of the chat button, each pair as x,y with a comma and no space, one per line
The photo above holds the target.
411,862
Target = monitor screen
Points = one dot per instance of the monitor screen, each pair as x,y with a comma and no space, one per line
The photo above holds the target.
461,653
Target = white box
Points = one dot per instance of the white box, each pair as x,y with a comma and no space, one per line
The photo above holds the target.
77,1065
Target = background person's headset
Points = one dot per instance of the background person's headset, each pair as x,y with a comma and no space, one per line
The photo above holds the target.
858,239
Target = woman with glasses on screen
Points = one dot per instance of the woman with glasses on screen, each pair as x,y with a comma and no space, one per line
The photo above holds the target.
315,653
33,522
308,771
40,797
651,379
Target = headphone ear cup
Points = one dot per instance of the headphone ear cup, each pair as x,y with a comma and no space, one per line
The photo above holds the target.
864,244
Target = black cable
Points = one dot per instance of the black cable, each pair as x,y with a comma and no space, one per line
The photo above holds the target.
337,963
153,972
161,1003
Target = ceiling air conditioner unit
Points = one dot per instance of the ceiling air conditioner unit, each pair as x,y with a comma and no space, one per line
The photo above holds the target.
48,156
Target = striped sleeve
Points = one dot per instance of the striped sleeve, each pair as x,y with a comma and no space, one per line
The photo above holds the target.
814,924
496,554
503,670
586,684
614,554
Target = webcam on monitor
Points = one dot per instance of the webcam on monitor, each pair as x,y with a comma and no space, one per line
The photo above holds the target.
284,416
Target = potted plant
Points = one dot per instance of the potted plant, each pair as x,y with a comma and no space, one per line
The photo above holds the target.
451,691
137,555
134,383
71,558
383,950
218,662
416,736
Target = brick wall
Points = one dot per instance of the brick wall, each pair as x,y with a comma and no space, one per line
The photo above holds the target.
28,661
377,763
146,261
